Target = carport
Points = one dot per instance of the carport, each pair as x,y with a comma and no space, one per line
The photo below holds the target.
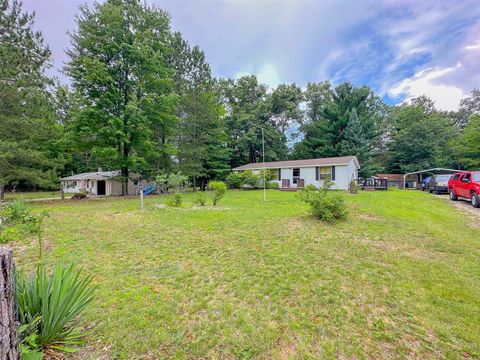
433,171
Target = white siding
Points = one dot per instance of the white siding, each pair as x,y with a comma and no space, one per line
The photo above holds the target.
308,174
112,187
343,175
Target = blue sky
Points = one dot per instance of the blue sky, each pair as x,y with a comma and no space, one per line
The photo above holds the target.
399,48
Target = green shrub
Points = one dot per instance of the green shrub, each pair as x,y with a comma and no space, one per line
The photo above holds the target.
272,185
325,204
174,200
48,306
174,181
235,179
352,187
269,175
199,200
251,179
310,187
218,190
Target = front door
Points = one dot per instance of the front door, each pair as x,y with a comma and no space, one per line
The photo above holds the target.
296,176
101,187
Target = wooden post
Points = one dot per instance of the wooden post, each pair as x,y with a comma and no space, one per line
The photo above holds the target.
8,323
141,198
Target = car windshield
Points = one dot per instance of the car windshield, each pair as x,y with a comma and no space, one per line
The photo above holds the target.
443,177
476,177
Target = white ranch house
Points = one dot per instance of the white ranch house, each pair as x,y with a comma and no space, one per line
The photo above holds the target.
291,174
100,183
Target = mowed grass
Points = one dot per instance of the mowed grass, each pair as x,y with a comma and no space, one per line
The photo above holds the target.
400,278
33,195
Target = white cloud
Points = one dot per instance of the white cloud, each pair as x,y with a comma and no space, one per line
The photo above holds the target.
426,82
473,47
267,74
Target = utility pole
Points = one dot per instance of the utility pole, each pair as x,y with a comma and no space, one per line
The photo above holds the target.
264,184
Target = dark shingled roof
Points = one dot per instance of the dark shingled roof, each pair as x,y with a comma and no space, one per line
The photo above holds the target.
342,160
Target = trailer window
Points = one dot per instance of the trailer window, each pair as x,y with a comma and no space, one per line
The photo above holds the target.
326,173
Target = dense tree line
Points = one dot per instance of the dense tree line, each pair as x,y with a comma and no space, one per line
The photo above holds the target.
142,99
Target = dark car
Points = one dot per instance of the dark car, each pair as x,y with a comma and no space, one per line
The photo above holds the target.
439,184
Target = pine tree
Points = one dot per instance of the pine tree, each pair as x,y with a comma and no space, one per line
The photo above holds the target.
201,144
356,143
328,112
28,130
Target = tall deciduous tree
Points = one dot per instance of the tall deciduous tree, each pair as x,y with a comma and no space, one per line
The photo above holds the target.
469,106
420,140
248,112
467,146
118,66
285,107
28,130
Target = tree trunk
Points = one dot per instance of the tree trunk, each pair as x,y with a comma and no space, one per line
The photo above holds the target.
125,174
194,183
1,206
8,324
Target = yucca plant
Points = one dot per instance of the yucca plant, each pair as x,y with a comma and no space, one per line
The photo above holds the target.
16,212
56,300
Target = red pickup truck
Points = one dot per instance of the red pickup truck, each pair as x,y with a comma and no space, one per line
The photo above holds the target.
465,185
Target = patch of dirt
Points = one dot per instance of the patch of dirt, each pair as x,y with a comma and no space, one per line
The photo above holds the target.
287,351
369,217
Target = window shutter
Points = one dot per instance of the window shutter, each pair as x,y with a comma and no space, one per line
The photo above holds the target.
316,173
333,173
279,174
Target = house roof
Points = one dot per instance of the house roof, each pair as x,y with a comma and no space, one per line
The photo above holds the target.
99,175
342,160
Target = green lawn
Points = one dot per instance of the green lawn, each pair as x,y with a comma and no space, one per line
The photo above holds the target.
400,278
33,195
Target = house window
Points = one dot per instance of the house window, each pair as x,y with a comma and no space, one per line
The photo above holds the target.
296,175
326,173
